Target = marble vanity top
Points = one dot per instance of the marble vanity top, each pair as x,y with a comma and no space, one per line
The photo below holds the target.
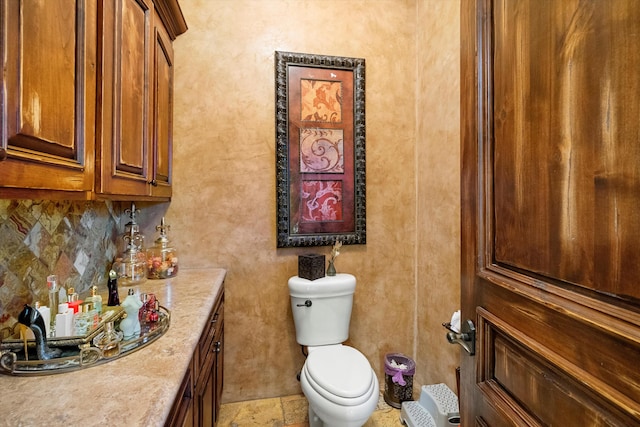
136,390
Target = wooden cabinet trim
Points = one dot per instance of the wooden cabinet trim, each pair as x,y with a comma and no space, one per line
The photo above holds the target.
172,17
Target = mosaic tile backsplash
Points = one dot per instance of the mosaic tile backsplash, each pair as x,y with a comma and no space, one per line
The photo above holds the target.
74,240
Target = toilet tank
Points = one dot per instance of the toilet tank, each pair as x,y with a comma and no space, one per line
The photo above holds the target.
322,308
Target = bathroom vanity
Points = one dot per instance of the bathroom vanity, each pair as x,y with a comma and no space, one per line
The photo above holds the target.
177,380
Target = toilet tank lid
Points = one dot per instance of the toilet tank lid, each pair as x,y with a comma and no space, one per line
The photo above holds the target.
340,284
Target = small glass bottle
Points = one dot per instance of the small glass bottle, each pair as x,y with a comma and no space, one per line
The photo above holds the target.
86,319
52,285
74,300
162,258
149,311
108,341
96,299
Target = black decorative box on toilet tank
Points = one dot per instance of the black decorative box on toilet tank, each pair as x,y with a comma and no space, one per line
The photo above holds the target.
311,266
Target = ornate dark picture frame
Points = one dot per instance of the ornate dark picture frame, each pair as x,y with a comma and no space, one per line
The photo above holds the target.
320,149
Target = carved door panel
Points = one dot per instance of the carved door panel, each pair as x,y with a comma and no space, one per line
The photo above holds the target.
550,212
126,89
48,95
162,138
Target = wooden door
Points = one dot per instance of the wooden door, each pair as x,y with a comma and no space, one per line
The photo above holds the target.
48,96
551,212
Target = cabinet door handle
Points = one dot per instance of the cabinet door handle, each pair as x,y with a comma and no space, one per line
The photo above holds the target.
218,345
154,182
3,154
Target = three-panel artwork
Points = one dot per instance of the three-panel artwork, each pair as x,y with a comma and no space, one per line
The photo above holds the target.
320,150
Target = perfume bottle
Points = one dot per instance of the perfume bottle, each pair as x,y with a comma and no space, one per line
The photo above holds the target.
96,299
112,284
73,300
64,321
162,258
86,319
130,325
108,341
131,266
149,311
52,285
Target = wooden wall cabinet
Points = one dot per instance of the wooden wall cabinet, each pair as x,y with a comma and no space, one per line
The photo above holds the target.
48,96
87,98
198,401
135,119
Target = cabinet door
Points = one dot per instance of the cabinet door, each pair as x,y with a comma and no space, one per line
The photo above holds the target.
162,112
206,402
219,371
125,144
209,359
181,414
48,95
205,387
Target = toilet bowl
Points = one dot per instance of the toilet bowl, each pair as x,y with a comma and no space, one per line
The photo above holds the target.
340,386
337,380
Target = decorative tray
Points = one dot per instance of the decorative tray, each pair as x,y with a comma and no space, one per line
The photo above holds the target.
10,339
77,352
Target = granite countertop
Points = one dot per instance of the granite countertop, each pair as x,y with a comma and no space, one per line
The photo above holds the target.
135,390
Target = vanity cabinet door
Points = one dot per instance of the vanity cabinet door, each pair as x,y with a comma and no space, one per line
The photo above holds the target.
219,370
206,402
209,356
202,400
48,96
181,414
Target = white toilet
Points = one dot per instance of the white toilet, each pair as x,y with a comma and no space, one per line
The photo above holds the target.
337,380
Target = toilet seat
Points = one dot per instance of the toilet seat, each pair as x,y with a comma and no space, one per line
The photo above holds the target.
340,374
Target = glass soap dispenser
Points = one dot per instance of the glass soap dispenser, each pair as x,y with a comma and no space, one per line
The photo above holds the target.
131,266
162,258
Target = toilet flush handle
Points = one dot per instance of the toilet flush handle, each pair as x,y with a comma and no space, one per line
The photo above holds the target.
307,303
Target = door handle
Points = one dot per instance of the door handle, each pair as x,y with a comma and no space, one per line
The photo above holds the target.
466,337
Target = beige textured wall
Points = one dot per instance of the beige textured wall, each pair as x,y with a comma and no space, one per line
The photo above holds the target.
438,181
223,209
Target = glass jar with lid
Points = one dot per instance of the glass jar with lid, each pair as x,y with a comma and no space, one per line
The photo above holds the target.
131,265
162,258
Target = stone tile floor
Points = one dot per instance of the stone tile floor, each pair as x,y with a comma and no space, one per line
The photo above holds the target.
291,411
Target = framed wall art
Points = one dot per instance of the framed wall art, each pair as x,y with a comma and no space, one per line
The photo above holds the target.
320,149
